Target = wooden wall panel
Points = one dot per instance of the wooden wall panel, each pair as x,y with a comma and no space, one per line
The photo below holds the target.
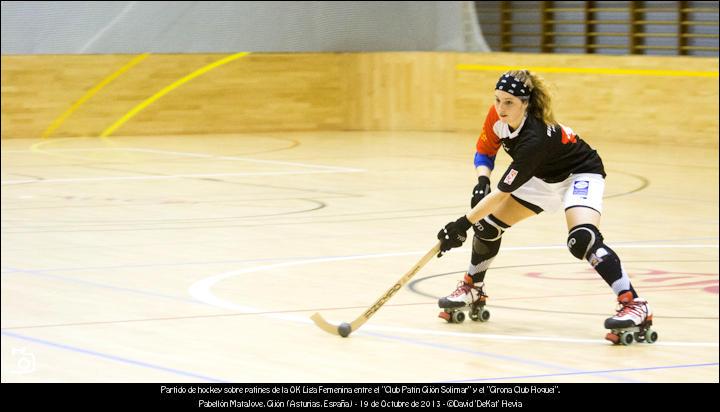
400,91
256,92
644,109
354,91
38,89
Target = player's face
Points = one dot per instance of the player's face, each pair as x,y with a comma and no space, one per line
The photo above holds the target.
510,109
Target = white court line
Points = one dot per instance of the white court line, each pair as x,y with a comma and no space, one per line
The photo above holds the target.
191,154
326,169
478,335
166,177
201,290
246,159
619,246
43,151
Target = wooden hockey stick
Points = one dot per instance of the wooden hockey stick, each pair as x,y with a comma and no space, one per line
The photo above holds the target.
345,329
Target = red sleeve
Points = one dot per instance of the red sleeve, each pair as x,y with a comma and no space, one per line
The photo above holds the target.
488,143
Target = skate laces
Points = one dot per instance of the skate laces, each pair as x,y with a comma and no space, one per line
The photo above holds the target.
638,308
462,289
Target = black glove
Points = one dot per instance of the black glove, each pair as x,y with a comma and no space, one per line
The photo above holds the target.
480,190
453,235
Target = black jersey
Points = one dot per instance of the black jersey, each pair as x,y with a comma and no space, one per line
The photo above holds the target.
550,153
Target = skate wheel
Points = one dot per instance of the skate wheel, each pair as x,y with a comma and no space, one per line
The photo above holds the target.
446,316
484,315
458,317
650,336
615,339
475,315
626,338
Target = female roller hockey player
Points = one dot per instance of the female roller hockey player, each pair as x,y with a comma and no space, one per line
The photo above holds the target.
551,167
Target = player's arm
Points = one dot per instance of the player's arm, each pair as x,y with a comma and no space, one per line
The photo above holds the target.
529,156
486,206
483,170
454,233
486,149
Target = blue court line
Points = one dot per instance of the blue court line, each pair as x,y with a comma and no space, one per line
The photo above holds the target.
494,356
697,365
111,357
105,286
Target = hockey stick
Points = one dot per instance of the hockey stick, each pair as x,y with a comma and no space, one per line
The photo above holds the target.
345,329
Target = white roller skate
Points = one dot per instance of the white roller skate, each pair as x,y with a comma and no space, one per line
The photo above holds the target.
632,322
467,296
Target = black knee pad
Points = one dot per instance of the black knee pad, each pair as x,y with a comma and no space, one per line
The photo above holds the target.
484,249
488,229
583,240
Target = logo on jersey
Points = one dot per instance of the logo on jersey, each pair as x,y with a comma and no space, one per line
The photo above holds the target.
580,187
510,177
550,130
568,136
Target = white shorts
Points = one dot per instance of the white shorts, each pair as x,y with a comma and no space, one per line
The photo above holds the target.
582,189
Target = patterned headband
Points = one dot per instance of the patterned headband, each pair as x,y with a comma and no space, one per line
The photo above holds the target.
512,85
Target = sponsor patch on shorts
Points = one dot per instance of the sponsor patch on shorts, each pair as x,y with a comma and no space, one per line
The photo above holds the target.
510,176
580,187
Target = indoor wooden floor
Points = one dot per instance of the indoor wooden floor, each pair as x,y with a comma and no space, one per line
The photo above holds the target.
201,258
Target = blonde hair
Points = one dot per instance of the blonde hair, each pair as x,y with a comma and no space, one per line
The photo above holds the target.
540,101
